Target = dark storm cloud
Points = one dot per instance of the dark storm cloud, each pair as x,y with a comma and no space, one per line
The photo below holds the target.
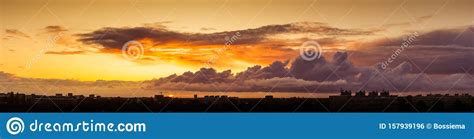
210,75
461,37
446,51
321,69
439,59
436,59
115,37
443,37
321,74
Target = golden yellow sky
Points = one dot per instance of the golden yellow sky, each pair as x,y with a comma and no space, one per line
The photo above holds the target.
25,41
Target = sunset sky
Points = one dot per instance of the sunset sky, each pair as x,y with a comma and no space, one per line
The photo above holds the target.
82,39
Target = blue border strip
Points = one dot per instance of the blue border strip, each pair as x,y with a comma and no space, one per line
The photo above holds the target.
253,125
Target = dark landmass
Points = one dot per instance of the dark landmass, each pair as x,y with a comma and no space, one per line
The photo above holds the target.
347,101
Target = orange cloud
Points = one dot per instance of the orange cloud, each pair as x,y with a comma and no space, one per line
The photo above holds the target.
229,49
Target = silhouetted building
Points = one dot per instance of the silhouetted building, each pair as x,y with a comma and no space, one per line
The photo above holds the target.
360,93
268,97
373,94
346,93
385,93
158,97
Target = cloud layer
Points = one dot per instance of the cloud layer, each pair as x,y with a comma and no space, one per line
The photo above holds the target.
114,38
320,75
38,86
195,49
436,60
452,48
298,75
